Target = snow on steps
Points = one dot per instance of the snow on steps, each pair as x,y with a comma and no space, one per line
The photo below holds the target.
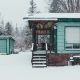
40,52
39,56
42,62
39,65
39,59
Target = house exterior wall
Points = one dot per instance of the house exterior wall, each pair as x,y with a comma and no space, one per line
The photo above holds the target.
11,45
6,45
61,36
3,46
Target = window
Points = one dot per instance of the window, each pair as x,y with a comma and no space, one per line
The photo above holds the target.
43,38
72,37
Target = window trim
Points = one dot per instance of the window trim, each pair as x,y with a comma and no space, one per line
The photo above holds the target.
78,49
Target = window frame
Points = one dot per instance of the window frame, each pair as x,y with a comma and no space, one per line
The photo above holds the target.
70,43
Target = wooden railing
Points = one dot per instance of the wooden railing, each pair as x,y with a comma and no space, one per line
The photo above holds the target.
32,49
46,53
46,49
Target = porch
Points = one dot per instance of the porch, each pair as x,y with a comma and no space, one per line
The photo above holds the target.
43,41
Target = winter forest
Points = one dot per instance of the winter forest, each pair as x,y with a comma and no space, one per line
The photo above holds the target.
23,36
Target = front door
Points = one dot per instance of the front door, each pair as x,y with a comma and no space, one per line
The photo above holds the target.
42,40
3,46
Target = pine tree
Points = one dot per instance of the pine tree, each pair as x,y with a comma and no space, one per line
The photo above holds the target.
17,31
17,37
54,6
27,37
1,30
32,8
1,25
8,29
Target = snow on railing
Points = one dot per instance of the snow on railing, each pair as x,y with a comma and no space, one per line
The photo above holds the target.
46,53
32,46
46,47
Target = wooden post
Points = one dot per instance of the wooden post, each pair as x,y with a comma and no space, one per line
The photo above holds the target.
32,51
50,40
46,53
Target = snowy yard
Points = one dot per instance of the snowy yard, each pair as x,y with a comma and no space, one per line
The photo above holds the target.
18,67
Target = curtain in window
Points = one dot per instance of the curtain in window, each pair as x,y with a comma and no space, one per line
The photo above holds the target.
72,35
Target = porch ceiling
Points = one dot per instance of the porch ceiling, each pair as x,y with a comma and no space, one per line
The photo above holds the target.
41,24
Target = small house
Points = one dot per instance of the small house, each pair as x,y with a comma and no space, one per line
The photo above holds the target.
6,45
55,38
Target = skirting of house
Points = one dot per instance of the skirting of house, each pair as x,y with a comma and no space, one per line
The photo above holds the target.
58,59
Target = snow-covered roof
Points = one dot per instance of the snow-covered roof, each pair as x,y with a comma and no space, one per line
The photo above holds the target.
6,36
52,16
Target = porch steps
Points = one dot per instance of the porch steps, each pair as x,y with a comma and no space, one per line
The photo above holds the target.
39,59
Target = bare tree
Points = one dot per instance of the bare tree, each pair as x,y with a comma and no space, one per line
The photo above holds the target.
70,6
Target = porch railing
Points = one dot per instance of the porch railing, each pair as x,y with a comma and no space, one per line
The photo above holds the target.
32,49
46,53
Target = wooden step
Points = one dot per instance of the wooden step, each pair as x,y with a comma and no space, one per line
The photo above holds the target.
39,63
42,62
39,54
39,66
39,58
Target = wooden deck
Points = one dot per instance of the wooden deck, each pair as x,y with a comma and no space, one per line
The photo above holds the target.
58,59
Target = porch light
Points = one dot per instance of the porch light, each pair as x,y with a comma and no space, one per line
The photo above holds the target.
55,27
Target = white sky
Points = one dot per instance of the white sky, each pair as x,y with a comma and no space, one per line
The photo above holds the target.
15,10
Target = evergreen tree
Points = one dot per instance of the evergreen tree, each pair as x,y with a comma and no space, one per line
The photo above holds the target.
8,29
1,31
1,25
17,31
54,6
1,28
18,37
26,33
32,8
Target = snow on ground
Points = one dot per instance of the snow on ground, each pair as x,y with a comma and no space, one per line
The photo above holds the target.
18,67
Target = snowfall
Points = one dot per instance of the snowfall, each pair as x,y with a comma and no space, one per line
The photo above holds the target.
18,67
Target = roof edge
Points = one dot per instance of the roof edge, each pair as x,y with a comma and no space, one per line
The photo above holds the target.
55,19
